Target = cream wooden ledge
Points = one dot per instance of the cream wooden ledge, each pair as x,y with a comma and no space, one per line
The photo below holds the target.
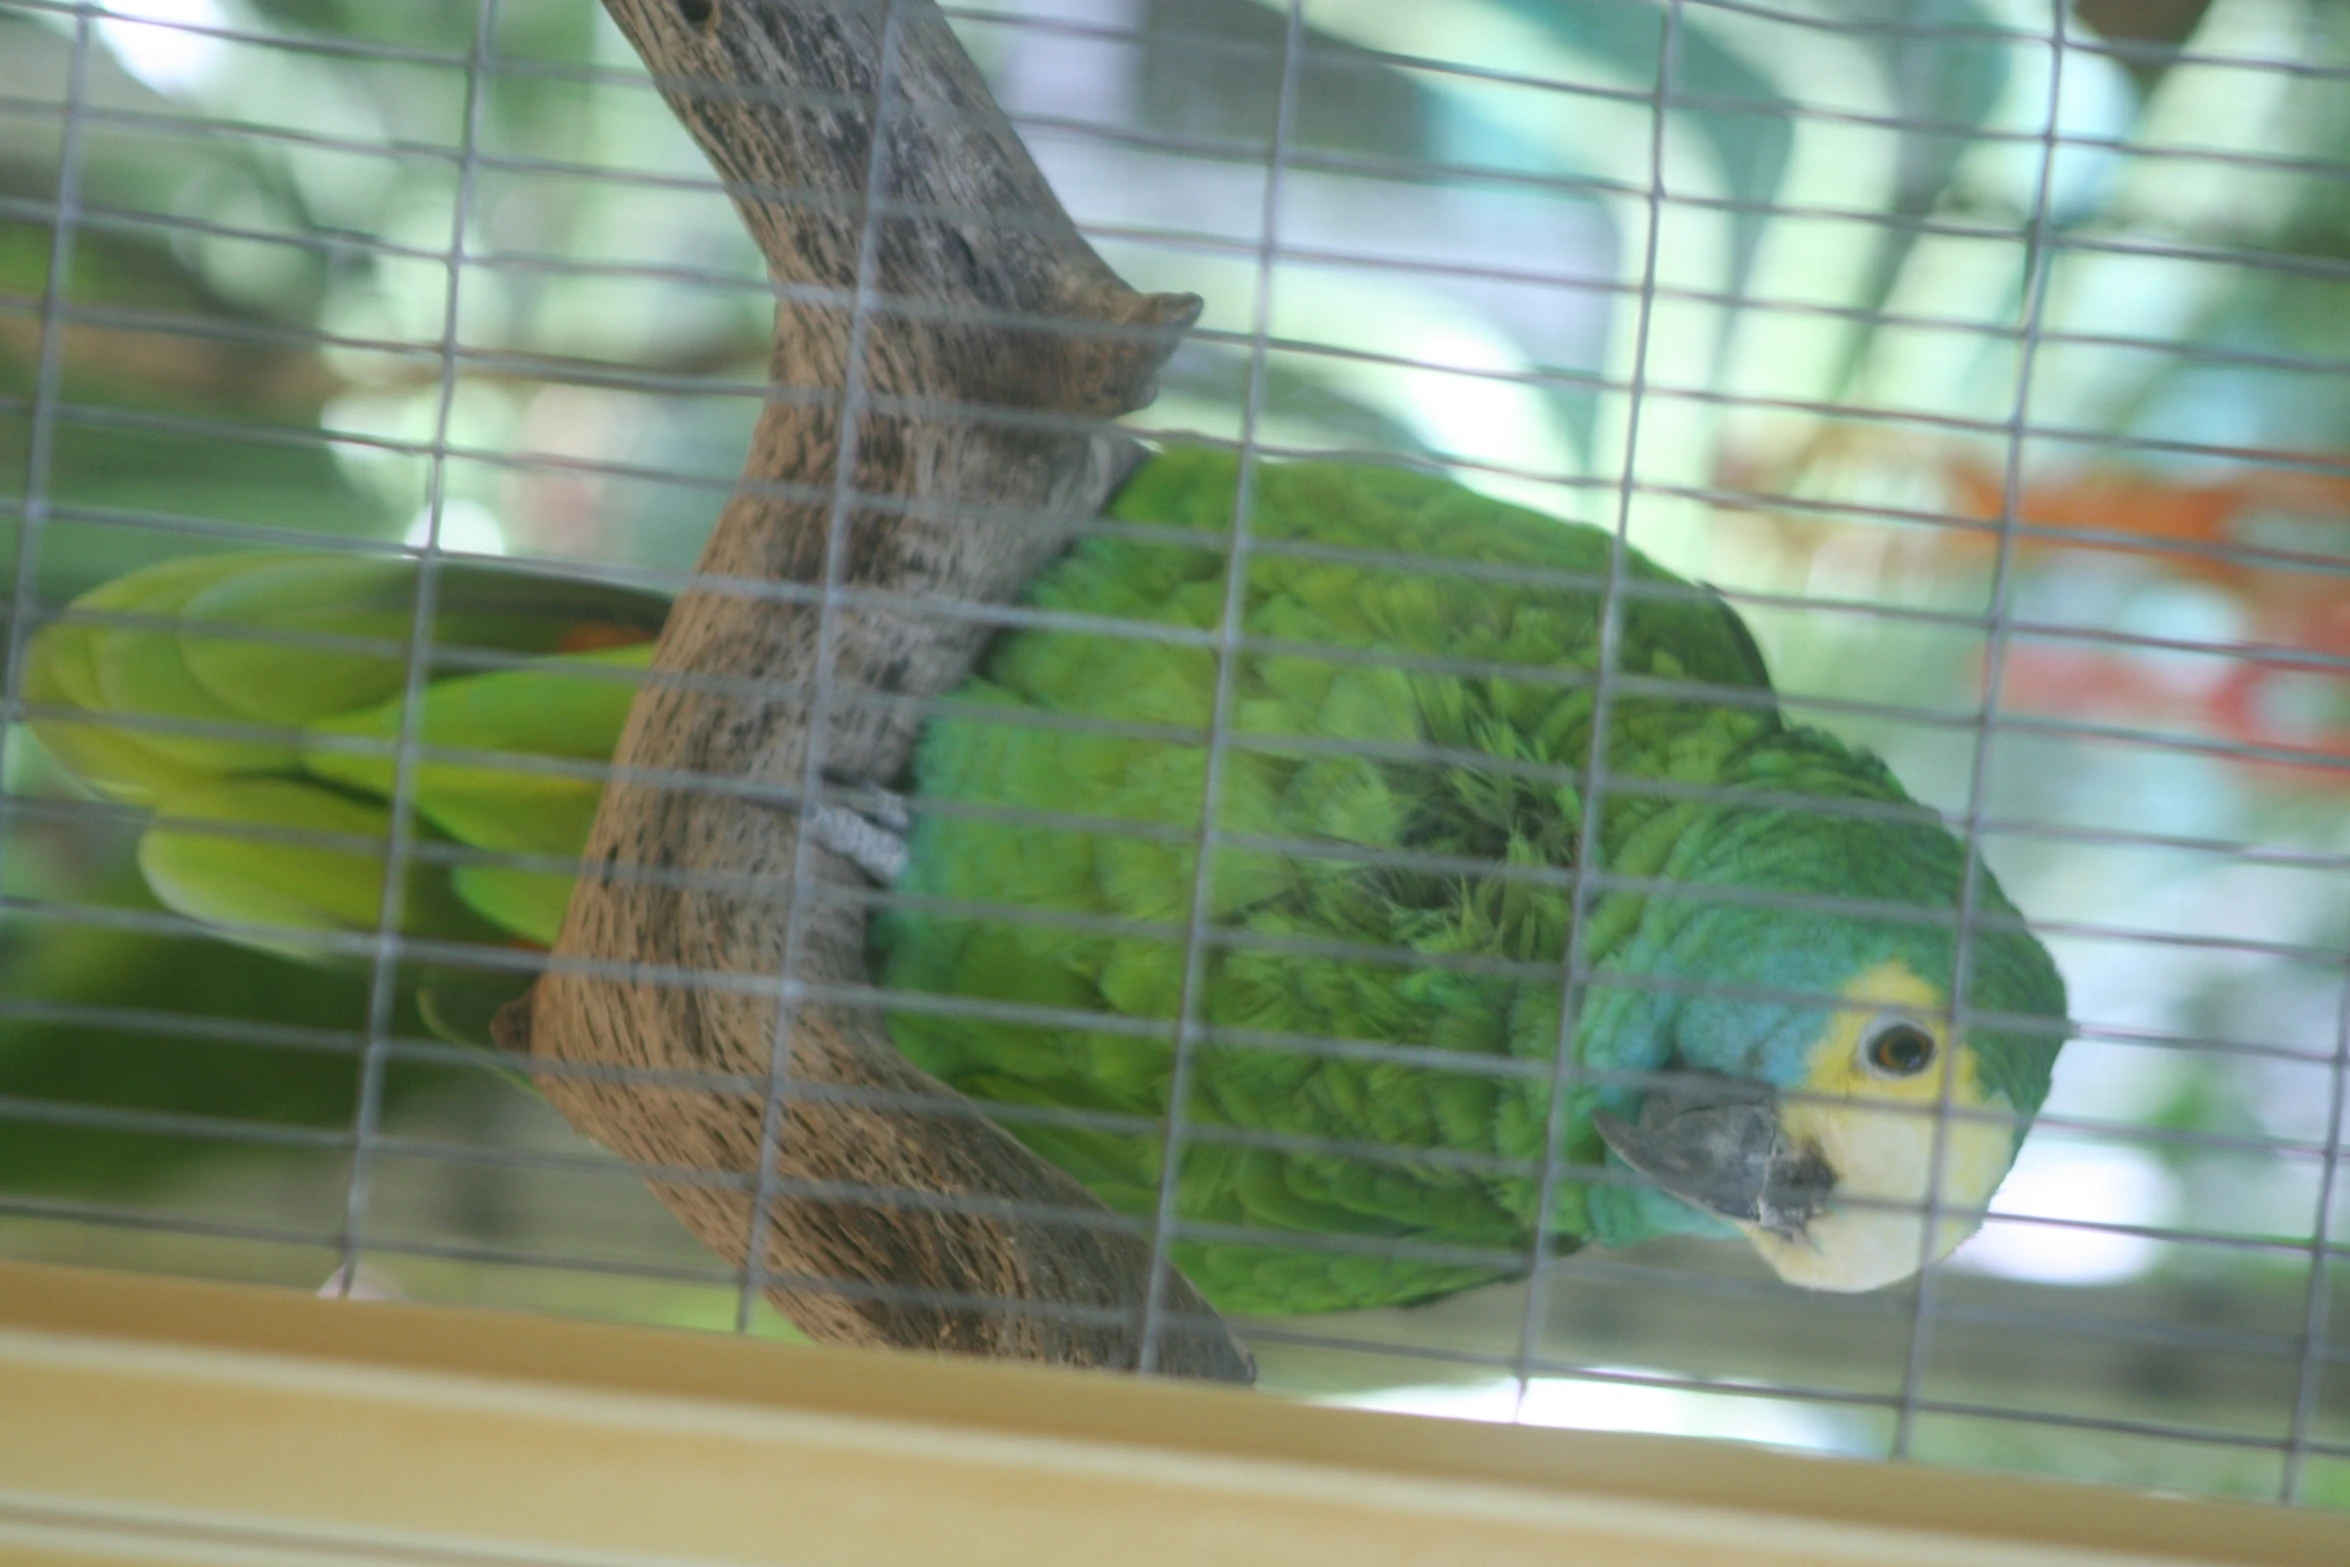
146,1420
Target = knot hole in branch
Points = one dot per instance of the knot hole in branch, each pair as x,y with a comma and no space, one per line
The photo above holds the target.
699,13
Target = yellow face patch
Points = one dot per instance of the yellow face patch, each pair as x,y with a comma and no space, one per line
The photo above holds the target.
1870,1104
1890,992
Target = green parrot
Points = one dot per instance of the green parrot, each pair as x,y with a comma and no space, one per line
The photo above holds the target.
1376,1108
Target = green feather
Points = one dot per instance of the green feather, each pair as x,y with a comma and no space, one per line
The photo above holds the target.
273,817
291,859
1417,693
563,709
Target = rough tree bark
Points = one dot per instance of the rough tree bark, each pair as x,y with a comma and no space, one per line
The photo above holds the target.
932,448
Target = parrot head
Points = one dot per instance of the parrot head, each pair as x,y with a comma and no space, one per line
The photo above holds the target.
1810,1088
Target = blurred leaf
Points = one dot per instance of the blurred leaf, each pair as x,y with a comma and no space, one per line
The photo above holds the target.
1738,110
1954,80
68,1064
446,24
284,483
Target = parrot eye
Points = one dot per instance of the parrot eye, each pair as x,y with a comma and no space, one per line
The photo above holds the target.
1900,1049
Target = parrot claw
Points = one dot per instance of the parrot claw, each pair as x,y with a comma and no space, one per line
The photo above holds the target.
358,1282
871,836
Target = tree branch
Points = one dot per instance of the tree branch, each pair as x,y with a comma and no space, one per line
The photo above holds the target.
934,446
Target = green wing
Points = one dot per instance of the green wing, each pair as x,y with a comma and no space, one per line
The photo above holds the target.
255,702
562,710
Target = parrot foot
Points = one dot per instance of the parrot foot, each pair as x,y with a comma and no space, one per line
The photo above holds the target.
359,1282
871,834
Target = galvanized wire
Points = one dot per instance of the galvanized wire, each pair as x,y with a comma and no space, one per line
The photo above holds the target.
2038,265
384,977
48,374
1575,964
1166,1222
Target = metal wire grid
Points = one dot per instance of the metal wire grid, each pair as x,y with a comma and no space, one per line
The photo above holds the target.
2078,633
376,1045
2011,482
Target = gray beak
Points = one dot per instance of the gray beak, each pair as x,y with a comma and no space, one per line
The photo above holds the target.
1716,1143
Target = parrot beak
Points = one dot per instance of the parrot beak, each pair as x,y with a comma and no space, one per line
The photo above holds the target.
1718,1143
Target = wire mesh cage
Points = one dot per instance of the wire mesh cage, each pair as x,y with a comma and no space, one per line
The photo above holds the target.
1393,780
